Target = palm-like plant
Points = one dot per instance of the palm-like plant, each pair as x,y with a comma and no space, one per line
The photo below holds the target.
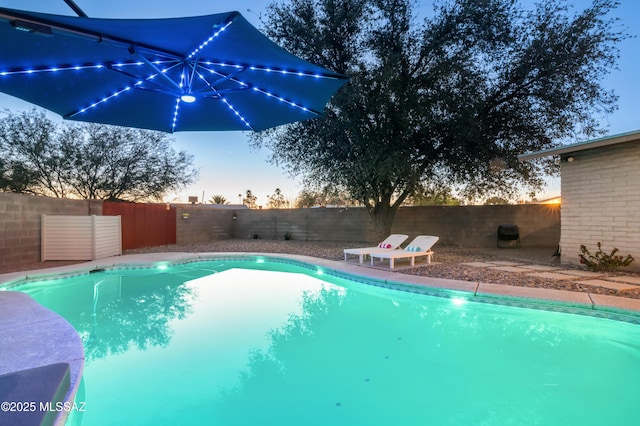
218,199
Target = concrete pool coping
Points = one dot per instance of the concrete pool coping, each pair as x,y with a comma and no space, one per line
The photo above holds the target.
26,323
475,290
34,336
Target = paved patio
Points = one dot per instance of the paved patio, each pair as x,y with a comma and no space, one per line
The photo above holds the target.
619,283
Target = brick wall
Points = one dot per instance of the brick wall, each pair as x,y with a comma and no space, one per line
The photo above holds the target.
601,201
20,223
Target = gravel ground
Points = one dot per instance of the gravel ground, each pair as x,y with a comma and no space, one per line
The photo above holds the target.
446,262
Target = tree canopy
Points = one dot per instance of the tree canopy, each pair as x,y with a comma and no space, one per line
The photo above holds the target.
322,197
277,200
453,98
250,200
89,161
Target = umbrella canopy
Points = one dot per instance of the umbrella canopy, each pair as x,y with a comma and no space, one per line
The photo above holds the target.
214,72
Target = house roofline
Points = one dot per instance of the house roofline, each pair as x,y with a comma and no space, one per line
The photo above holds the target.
581,146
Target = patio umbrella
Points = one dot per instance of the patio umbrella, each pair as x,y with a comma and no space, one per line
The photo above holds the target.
214,72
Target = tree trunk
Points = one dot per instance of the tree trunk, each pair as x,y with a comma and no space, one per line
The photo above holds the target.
383,215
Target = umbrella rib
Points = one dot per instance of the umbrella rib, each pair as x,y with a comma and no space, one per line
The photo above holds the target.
52,69
155,68
231,107
192,74
225,77
244,86
217,93
101,101
235,111
136,85
148,80
206,42
277,70
113,67
293,104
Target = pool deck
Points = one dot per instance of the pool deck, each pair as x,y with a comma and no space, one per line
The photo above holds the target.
34,336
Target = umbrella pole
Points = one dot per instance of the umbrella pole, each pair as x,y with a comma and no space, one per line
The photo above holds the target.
76,8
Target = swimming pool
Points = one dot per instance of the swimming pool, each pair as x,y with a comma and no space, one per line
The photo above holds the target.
261,341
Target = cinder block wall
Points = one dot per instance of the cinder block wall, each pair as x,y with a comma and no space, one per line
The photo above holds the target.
601,202
468,226
472,226
332,224
202,224
477,226
20,223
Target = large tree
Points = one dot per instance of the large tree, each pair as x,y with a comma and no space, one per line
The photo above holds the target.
30,158
455,97
89,161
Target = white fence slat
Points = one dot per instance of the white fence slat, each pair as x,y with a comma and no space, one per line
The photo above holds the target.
80,237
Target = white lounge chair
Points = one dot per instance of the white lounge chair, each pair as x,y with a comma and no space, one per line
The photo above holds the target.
392,242
420,246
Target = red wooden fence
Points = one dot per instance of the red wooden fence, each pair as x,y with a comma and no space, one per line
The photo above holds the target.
143,225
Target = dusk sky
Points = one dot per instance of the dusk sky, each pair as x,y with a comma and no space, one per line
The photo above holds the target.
228,166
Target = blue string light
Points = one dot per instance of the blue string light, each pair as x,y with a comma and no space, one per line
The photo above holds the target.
236,113
53,69
281,99
209,40
175,115
73,68
182,82
105,99
279,70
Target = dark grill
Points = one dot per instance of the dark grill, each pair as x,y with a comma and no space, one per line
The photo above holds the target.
508,233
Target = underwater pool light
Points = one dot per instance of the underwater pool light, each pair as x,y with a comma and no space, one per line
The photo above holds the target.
458,301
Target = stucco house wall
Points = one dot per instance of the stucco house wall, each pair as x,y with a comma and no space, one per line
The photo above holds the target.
600,185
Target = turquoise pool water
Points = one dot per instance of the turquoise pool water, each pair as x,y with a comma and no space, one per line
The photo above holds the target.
244,343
